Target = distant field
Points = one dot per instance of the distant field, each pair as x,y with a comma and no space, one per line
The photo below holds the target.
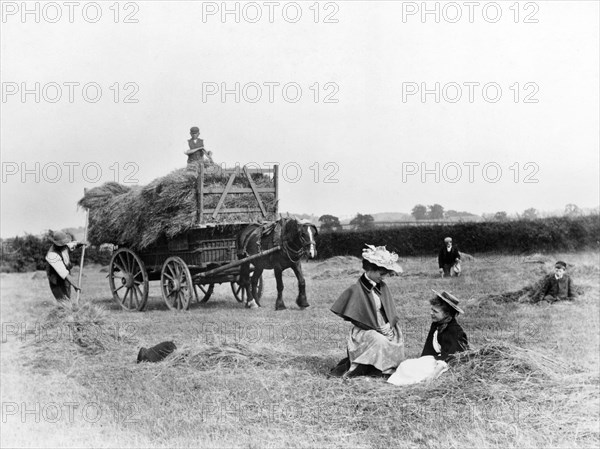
257,378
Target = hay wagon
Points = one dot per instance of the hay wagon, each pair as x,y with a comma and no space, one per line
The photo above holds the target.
189,264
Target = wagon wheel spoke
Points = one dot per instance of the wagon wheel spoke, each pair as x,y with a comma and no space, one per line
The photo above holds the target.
138,291
131,292
122,285
132,299
137,298
130,262
118,265
124,265
173,274
125,297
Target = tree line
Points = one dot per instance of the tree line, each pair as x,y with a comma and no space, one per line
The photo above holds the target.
331,223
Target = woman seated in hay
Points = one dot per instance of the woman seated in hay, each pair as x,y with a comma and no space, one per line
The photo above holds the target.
375,343
446,337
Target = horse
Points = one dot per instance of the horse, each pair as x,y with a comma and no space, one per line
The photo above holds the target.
295,239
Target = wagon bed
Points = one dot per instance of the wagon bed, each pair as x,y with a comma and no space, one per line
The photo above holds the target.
189,264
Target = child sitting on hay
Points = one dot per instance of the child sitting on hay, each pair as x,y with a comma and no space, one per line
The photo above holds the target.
556,287
446,338
197,151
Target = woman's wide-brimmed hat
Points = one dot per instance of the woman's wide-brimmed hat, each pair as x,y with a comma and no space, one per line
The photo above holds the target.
449,299
381,257
59,238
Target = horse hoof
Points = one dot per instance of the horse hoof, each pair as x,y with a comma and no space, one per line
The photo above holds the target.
280,307
252,305
302,305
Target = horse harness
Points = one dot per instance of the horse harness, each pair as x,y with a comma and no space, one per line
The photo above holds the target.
274,231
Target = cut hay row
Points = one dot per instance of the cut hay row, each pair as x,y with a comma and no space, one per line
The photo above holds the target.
497,384
495,361
138,216
529,293
83,330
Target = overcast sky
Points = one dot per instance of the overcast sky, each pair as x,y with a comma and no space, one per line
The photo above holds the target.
331,91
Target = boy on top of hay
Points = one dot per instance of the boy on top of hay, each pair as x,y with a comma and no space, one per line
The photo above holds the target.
556,287
196,152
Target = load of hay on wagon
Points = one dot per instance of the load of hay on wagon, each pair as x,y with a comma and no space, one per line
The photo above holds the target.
137,216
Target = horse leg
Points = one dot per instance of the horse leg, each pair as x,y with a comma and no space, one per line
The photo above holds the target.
255,277
246,287
301,299
279,304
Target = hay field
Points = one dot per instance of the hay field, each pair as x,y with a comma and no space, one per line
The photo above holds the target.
245,378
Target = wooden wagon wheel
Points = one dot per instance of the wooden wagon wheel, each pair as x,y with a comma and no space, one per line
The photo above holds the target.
128,280
240,293
203,292
176,284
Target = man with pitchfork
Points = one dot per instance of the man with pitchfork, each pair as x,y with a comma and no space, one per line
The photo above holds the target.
59,267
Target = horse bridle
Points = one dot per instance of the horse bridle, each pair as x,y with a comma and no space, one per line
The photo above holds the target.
296,254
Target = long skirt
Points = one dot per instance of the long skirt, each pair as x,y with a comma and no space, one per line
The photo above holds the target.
369,347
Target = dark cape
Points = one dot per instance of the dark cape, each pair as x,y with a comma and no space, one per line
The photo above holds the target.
355,305
452,339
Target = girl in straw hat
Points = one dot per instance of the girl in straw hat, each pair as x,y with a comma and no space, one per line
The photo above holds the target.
445,338
59,267
375,344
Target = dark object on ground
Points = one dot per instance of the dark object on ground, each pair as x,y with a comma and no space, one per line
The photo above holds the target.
156,353
341,370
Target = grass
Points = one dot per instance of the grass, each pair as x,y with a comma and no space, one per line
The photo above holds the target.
243,378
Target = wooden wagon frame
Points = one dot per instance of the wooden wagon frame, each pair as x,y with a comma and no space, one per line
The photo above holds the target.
191,263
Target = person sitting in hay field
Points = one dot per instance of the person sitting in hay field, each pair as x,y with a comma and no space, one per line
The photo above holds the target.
449,259
375,344
196,151
446,338
556,287
59,266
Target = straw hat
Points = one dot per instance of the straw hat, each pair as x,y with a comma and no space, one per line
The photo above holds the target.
381,257
449,299
59,238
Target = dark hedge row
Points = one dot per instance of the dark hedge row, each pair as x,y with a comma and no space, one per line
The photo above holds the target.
526,236
21,254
